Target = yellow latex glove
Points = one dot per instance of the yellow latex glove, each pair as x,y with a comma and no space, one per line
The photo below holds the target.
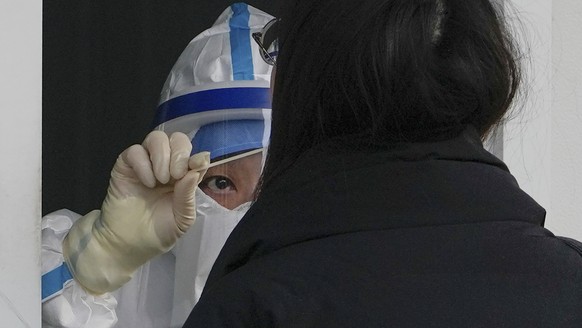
150,203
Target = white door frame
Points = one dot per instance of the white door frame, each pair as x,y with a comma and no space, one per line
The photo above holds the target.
20,163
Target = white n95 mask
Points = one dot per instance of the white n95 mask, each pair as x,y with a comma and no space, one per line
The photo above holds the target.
197,250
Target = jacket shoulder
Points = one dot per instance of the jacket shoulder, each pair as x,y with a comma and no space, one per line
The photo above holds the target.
572,243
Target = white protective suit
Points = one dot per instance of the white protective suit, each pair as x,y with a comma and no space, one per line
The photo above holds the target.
218,94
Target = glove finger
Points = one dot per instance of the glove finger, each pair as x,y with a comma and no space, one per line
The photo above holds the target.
138,160
180,146
185,201
199,162
158,146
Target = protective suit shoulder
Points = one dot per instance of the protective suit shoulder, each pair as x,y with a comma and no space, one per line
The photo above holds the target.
55,227
66,304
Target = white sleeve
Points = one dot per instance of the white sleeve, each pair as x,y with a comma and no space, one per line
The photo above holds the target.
64,303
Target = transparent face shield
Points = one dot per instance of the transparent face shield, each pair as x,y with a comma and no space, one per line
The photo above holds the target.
232,181
236,157
222,199
237,151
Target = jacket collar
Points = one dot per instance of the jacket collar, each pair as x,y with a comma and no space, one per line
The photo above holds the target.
349,186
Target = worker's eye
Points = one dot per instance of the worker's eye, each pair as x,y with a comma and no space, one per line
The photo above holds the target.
217,184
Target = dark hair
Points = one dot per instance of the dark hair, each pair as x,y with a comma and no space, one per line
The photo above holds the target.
396,70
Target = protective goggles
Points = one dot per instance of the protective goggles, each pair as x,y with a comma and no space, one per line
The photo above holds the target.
268,41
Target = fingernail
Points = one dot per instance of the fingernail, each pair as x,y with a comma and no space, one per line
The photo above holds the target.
199,160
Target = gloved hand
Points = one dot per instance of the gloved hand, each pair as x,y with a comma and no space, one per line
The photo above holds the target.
149,204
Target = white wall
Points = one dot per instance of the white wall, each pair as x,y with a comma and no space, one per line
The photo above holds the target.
543,144
566,206
526,147
20,164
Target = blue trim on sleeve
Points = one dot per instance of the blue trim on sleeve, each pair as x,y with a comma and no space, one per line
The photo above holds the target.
55,280
215,99
240,43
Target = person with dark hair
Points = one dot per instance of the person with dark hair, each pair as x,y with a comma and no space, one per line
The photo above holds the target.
378,205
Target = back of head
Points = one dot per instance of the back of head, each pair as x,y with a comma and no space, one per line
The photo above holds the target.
394,70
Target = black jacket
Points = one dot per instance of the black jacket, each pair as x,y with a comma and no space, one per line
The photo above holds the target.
357,234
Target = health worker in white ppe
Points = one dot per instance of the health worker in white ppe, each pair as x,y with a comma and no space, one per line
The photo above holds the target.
143,258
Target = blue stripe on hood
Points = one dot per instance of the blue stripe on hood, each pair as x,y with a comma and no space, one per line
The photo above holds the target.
240,43
209,100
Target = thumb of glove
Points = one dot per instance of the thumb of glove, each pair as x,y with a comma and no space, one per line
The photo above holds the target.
184,190
184,201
